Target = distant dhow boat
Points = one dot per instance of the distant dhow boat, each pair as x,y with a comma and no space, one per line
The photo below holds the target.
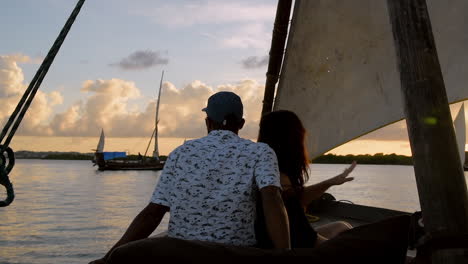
116,160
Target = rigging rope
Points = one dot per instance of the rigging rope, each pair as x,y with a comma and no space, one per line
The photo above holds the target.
17,116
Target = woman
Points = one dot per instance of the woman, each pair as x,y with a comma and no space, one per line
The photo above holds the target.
285,134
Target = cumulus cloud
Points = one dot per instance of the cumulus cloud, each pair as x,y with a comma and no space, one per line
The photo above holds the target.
106,104
109,104
255,62
56,98
181,114
11,76
141,59
12,87
22,58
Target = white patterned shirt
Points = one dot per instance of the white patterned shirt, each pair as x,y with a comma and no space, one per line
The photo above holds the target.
210,185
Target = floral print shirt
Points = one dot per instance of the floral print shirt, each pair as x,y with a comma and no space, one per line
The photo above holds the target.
210,185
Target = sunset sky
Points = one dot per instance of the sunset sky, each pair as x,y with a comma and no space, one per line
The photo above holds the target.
107,72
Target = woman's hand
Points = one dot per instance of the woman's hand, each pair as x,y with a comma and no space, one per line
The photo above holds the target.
343,177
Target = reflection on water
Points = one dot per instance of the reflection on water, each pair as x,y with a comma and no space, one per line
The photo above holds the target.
386,186
67,212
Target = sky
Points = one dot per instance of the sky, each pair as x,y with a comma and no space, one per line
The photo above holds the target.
106,76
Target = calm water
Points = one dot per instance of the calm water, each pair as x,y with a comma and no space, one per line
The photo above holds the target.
67,212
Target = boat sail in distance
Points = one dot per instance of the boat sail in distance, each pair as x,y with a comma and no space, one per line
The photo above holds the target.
117,160
460,131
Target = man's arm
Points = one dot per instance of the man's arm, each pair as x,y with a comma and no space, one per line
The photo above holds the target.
141,227
276,217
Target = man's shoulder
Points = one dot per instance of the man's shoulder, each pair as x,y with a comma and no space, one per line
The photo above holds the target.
242,143
258,147
193,143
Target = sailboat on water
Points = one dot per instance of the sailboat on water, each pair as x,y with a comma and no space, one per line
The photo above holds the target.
460,131
117,160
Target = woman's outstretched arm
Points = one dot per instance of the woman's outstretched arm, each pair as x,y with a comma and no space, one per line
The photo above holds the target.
313,192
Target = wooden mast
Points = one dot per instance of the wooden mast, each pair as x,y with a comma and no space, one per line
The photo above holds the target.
439,176
280,32
156,121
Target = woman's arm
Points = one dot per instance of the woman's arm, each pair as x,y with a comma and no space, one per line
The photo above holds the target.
314,192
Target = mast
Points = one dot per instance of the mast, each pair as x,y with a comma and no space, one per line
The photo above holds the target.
278,41
156,121
439,174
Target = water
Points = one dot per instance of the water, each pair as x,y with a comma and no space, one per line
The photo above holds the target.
67,212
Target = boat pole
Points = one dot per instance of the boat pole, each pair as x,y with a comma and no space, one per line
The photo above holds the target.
156,121
439,175
278,41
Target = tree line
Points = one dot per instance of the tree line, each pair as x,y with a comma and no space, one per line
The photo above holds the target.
379,158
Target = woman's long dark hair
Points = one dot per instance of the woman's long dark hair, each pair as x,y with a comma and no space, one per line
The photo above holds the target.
284,133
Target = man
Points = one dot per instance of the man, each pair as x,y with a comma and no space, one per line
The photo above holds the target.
209,186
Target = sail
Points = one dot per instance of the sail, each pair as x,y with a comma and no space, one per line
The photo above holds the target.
156,120
100,146
460,131
340,70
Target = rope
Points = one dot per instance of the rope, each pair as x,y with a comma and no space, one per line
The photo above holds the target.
18,114
4,179
151,139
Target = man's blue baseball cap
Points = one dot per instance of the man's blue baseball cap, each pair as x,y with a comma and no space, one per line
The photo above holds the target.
222,104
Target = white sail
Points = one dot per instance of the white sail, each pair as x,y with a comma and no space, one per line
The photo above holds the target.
156,147
340,70
460,131
100,146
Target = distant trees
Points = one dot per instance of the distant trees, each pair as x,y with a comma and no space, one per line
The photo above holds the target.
68,156
379,158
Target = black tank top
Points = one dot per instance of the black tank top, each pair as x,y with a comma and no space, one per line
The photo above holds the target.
302,234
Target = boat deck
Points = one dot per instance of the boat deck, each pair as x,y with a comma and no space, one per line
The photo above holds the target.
330,211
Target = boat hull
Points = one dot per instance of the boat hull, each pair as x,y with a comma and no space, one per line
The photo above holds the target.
114,165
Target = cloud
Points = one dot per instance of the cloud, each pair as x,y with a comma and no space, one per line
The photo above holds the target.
255,62
239,24
106,104
248,36
141,59
181,114
11,76
56,98
109,102
22,58
191,13
12,87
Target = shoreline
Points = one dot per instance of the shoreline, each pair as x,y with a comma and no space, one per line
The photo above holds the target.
376,159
